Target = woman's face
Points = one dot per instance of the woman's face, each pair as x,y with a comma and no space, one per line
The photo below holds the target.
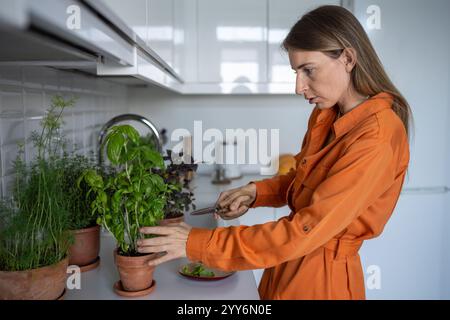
323,80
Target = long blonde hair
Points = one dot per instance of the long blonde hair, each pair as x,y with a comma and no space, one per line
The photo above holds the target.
330,29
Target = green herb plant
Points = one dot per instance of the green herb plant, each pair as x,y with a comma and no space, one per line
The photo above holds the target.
35,222
197,270
72,166
180,197
134,196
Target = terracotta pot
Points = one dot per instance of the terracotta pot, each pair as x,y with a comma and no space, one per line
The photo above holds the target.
86,247
46,283
135,273
190,175
168,221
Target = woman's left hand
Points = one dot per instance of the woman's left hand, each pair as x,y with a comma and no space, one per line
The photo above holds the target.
173,241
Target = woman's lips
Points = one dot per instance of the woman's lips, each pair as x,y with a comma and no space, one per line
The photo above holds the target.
313,100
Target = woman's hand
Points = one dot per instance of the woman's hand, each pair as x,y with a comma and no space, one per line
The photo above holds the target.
173,241
235,202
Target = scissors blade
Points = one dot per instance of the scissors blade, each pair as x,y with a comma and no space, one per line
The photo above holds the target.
207,210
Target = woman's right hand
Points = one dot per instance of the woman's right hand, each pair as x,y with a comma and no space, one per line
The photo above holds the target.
234,203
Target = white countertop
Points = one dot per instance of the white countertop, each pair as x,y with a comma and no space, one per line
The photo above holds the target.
98,283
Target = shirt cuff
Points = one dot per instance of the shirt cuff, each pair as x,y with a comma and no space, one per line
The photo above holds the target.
196,244
260,200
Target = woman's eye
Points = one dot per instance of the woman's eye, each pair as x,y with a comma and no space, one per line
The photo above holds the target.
308,71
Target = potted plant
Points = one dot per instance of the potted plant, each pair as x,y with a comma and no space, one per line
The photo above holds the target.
179,198
132,198
84,252
34,240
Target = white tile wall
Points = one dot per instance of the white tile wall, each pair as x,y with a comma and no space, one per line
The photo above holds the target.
25,94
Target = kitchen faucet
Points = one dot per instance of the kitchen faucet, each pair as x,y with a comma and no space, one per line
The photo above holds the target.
125,117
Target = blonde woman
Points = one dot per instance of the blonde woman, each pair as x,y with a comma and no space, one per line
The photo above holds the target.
350,171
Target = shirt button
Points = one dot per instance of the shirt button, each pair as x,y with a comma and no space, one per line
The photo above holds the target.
303,161
306,228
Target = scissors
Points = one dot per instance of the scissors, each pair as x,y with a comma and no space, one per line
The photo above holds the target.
212,209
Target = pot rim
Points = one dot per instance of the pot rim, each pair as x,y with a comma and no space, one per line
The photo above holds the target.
86,230
143,256
62,261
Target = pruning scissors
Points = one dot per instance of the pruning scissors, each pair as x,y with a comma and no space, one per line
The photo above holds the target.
212,209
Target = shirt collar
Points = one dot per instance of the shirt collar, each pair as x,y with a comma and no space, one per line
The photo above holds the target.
349,120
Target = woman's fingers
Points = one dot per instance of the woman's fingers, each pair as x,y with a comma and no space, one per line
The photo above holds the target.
234,214
158,241
230,199
165,258
238,201
172,242
234,206
166,230
223,195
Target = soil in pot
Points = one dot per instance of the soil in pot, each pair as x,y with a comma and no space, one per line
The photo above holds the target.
46,283
135,273
84,252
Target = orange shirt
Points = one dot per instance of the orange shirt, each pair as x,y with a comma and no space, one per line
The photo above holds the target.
340,195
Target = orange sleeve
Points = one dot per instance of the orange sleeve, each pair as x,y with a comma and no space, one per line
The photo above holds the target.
271,192
364,172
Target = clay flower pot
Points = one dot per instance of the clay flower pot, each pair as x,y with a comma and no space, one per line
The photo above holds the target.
136,276
190,175
165,222
46,283
84,252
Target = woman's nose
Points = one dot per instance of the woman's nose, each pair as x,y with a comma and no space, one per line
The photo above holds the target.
300,85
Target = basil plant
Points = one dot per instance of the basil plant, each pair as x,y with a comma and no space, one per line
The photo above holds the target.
132,196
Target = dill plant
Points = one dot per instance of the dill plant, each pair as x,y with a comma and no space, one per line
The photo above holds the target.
35,221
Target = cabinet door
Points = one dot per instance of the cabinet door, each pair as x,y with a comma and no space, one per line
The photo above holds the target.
232,41
133,13
161,28
283,14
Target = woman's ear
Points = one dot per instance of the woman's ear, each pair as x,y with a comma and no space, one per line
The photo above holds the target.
348,58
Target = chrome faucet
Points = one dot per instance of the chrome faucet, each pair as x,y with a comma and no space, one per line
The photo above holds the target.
125,117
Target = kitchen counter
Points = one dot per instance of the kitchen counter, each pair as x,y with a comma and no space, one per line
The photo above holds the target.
98,283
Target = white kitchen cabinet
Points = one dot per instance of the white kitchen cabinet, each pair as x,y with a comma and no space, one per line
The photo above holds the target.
238,51
185,39
232,41
283,14
160,36
217,48
133,13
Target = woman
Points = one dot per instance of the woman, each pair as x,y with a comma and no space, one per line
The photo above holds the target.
349,174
